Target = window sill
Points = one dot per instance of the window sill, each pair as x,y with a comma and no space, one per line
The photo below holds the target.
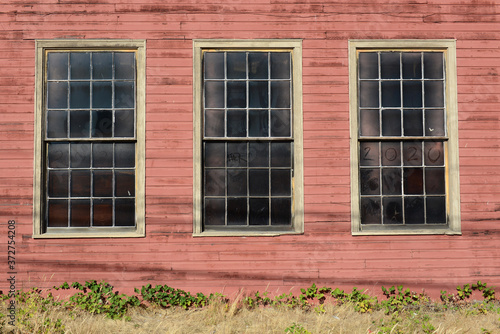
406,231
86,233
244,233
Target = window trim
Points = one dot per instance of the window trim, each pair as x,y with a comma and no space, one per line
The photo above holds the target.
295,47
38,187
448,46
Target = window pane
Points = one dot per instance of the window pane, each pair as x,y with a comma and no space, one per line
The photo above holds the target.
80,183
102,183
80,155
214,123
391,94
368,94
124,95
258,94
412,94
391,122
434,94
57,124
389,65
369,122
259,211
414,210
391,154
124,65
237,154
280,182
257,65
214,94
58,213
103,212
370,210
79,95
393,210
413,181
236,65
258,155
434,181
391,181
412,122
58,155
434,154
236,94
368,65
57,95
214,65
58,183
280,123
412,153
236,123
281,211
369,154
124,183
125,155
369,181
80,213
102,93
214,211
79,123
258,123
102,155
280,94
215,182
102,67
434,122
215,155
57,66
281,155
412,65
280,65
125,212
258,182
124,123
436,210
433,65
236,211
236,182
102,123
80,65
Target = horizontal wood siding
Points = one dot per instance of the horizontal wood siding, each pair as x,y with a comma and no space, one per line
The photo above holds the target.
326,253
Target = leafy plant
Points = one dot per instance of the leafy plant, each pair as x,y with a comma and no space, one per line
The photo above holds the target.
399,299
166,296
296,329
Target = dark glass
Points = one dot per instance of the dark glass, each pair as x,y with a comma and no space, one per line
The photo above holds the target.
391,154
58,154
236,211
80,213
281,211
258,123
103,212
124,65
412,94
236,182
125,212
236,65
124,95
368,65
434,122
389,65
281,154
102,123
434,154
214,123
80,183
125,155
57,124
412,65
259,211
434,94
368,154
369,122
215,154
412,122
236,94
236,123
79,155
258,94
79,123
215,182
57,95
58,183
280,182
434,181
280,123
80,65
368,94
102,65
413,181
257,65
79,95
393,210
412,153
370,210
391,94
237,154
58,213
280,94
436,210
391,122
414,210
433,65
214,65
124,123
391,181
102,185
369,181
124,183
280,65
258,182
214,211
102,155
57,66
102,94
258,154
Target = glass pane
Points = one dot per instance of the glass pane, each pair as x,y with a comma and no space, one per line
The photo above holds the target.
393,210
281,211
215,155
80,213
102,67
214,211
102,183
412,65
124,95
124,123
412,94
258,155
258,94
370,210
125,155
214,123
281,155
236,182
236,94
80,183
58,213
102,94
236,65
258,123
434,181
125,212
391,154
434,154
368,65
215,182
369,122
58,183
389,65
80,155
102,155
58,155
436,210
433,65
79,123
80,65
434,94
391,122
103,212
391,94
258,182
434,122
280,123
259,211
214,65
79,95
236,211
368,94
124,183
214,94
412,122
391,181
412,153
236,154
369,181
124,65
57,124
414,210
236,123
57,95
368,154
280,94
257,65
413,181
57,66
280,182
280,65
102,123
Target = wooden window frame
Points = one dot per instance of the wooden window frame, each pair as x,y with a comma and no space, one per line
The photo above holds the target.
452,193
42,46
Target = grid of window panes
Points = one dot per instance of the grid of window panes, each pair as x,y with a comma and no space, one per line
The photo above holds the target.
402,137
248,145
90,139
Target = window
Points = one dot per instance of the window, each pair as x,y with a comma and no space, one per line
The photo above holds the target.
89,139
404,137
248,137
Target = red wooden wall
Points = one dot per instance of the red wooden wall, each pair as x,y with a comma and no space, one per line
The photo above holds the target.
326,253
